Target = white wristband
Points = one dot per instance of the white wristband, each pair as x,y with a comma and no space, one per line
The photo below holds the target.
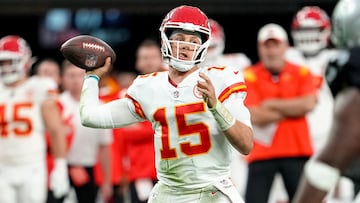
321,175
222,116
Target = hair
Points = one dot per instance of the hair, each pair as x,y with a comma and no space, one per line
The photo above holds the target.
35,68
149,43
66,63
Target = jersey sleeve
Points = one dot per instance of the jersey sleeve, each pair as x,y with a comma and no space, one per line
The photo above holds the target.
46,88
228,81
231,89
343,70
136,92
114,114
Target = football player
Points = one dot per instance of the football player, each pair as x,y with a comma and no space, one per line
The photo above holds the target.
27,108
310,31
323,171
196,113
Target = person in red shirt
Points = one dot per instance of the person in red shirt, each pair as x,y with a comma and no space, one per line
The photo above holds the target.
139,141
279,96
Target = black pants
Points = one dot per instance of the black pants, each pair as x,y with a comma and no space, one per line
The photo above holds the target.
261,176
52,199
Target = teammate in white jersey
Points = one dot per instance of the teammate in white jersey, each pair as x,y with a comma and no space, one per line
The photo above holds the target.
197,114
27,108
310,31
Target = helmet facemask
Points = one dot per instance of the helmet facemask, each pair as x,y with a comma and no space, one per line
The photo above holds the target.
12,71
198,54
311,30
15,59
311,41
189,20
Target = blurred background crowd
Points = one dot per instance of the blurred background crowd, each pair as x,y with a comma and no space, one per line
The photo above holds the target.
124,24
118,165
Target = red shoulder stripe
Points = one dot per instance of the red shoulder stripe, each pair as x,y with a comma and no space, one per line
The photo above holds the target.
237,87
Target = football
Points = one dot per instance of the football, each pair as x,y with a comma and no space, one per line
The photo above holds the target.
87,52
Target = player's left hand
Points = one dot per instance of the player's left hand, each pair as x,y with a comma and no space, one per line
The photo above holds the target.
59,179
207,89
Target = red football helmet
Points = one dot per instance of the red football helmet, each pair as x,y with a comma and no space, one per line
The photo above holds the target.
190,19
311,29
217,39
15,58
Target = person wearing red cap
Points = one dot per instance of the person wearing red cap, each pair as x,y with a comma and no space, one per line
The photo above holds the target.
279,96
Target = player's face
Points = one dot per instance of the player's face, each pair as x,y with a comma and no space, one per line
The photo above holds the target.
72,79
10,71
148,59
49,69
184,46
272,54
6,66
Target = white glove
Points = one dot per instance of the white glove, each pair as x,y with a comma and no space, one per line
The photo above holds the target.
59,179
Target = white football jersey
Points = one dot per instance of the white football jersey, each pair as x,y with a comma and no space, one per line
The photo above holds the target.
22,128
190,150
237,60
85,144
322,113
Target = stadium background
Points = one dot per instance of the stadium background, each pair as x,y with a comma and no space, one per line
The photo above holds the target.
125,23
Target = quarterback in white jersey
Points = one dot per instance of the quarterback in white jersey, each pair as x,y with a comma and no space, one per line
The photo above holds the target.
27,108
197,114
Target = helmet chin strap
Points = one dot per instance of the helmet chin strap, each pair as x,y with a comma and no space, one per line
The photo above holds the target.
181,65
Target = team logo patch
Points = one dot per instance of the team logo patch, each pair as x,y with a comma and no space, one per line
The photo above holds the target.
176,94
90,60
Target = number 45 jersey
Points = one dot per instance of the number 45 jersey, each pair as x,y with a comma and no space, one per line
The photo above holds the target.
190,150
22,129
